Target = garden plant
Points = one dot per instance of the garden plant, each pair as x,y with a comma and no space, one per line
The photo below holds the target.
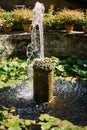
8,121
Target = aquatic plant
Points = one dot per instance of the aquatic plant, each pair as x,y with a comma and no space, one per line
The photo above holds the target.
46,122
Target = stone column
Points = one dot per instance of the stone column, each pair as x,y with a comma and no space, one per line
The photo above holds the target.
43,81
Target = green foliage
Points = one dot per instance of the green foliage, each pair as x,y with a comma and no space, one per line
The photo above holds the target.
70,67
84,22
7,18
13,69
67,16
51,123
10,122
3,114
47,121
22,14
53,19
17,26
49,17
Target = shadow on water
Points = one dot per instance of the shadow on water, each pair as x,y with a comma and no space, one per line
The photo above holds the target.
70,101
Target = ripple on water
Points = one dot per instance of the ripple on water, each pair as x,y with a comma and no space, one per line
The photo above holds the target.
70,101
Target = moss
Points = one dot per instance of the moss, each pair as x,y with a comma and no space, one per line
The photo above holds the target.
43,65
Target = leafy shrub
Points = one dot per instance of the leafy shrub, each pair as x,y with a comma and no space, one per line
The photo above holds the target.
67,16
22,14
13,69
46,122
70,67
17,26
7,18
49,17
85,20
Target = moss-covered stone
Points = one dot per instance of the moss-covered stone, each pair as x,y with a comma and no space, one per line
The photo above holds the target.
43,65
43,81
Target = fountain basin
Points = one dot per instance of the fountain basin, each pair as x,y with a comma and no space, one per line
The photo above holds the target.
70,101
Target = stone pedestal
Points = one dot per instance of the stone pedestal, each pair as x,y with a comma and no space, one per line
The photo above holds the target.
43,85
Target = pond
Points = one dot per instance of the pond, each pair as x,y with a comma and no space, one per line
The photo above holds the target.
70,101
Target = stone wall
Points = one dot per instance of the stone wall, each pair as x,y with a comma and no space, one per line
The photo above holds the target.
59,44
14,44
62,44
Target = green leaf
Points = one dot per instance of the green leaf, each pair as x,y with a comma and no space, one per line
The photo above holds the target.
85,65
24,64
45,117
4,113
6,68
12,121
80,62
15,128
29,122
61,68
14,63
48,121
82,73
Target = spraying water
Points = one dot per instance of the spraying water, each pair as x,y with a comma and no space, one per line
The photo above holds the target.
37,20
35,49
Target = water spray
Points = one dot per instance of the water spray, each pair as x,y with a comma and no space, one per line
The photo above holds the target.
37,20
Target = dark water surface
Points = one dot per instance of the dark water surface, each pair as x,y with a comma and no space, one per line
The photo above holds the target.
70,101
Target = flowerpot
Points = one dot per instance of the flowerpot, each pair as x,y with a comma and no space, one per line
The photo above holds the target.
7,29
26,27
85,29
69,27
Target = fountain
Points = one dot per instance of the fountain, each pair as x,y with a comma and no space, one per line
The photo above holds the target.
37,20
70,99
42,80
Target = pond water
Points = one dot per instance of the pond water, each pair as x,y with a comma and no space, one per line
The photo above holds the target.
70,101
